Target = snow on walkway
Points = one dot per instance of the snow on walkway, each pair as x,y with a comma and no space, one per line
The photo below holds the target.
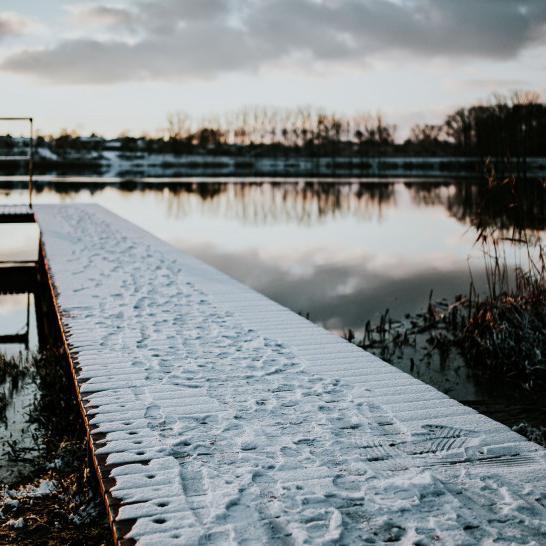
220,417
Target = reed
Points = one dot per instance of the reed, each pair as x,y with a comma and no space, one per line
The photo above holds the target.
72,511
500,333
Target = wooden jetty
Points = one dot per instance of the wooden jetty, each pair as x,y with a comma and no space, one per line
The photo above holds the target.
216,416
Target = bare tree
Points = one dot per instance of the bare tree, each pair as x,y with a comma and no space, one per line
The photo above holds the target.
179,125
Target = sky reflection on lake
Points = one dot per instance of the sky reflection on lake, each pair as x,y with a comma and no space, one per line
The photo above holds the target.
341,252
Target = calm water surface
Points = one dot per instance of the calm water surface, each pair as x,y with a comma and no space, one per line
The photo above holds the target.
341,252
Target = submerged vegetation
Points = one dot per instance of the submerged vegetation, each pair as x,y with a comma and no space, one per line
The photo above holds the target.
55,501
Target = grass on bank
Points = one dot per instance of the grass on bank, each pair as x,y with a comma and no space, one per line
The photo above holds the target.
57,501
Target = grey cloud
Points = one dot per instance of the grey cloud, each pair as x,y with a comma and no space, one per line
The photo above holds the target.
180,39
13,25
174,11
487,28
181,55
105,15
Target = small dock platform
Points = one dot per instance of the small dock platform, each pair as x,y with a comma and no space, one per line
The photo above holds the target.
16,214
217,416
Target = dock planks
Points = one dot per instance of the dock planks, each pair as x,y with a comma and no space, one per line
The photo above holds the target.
216,416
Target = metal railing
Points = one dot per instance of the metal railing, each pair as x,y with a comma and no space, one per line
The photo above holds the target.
28,157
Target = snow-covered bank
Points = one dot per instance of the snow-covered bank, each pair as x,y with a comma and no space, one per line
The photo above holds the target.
118,164
223,417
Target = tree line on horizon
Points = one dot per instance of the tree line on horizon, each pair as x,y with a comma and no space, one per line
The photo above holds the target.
507,127
512,126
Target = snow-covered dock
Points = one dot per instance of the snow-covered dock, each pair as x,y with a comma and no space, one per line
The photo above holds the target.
219,417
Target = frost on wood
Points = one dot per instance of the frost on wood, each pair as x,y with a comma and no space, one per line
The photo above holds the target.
224,418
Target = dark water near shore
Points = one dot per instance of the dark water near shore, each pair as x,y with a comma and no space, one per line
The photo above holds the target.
18,339
341,252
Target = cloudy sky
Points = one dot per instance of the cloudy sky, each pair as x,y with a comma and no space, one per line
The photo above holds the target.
122,65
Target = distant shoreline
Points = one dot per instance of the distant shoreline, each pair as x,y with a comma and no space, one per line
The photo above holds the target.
134,166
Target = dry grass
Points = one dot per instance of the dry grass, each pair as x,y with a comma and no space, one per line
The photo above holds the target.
72,512
500,335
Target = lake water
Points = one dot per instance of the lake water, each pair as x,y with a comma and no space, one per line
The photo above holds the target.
18,389
340,252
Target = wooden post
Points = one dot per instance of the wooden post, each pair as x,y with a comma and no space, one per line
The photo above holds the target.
30,162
